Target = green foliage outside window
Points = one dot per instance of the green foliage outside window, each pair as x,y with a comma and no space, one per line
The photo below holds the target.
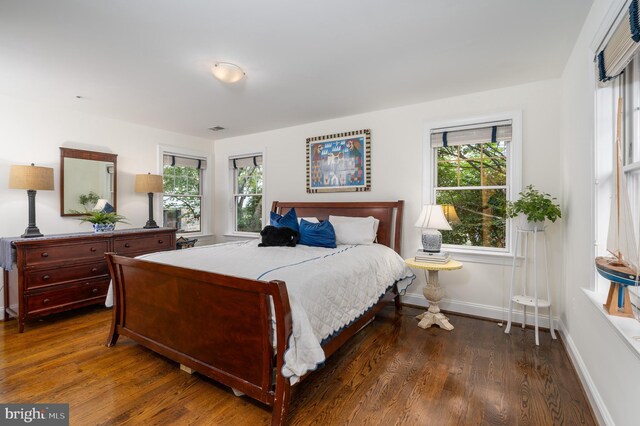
182,198
472,179
248,198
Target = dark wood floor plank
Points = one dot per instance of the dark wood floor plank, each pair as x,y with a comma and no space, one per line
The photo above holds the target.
392,373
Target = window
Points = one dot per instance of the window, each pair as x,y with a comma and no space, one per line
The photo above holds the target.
631,135
247,183
183,187
472,179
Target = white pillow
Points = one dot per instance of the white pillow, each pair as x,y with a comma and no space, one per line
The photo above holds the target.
309,219
355,230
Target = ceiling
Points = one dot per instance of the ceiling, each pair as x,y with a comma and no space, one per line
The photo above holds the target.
147,61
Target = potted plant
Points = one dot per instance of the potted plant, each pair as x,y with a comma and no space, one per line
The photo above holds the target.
102,221
536,206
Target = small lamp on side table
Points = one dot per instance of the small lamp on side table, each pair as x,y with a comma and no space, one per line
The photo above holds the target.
432,220
31,178
149,183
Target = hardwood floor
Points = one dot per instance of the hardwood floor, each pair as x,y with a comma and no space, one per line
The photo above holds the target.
392,373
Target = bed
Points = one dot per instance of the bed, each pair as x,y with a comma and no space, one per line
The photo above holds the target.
242,331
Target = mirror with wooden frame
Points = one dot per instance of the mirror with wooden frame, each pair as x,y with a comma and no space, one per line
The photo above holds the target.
86,177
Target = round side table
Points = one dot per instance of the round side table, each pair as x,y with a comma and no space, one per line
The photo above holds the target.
433,292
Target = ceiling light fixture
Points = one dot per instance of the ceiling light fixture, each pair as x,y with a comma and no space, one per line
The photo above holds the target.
227,72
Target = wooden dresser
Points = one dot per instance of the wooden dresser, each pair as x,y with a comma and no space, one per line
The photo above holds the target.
63,272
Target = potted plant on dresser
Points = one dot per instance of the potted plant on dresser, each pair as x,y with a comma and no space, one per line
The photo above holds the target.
536,206
102,221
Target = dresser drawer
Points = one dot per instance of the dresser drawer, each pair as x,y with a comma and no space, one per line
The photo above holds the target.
52,276
140,245
66,252
84,293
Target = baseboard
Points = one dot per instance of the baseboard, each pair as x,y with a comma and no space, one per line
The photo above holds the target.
485,311
597,404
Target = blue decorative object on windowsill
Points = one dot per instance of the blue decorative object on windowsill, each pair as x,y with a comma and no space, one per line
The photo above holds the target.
431,220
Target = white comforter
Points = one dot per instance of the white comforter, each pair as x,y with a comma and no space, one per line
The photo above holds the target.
328,288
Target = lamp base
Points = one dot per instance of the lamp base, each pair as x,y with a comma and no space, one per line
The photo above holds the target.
431,240
31,232
151,224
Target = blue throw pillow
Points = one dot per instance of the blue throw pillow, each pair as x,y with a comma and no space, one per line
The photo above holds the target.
317,234
290,220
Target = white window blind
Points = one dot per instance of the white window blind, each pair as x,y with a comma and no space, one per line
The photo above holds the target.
472,134
177,160
621,45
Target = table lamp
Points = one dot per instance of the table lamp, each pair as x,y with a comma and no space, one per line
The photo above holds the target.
31,178
149,183
432,220
450,213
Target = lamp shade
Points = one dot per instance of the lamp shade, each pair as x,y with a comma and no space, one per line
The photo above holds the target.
31,177
432,217
450,213
148,183
227,72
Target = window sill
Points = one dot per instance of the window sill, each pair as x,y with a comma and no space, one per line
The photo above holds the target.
486,257
242,234
194,235
627,328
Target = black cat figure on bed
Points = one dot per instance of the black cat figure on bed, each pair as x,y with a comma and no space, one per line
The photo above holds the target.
283,236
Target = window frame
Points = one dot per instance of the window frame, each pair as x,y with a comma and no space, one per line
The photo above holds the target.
491,255
232,213
631,137
205,187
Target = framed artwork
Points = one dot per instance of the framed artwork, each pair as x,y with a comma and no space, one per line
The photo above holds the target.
339,162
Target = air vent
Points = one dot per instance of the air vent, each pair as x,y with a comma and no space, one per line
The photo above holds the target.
216,128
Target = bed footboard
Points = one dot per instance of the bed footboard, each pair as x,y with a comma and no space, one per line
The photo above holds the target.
218,325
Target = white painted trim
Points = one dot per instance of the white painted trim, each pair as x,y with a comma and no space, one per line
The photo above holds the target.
597,404
489,258
514,163
251,235
625,328
229,194
206,208
479,310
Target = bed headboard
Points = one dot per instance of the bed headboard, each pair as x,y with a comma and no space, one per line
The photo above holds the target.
389,231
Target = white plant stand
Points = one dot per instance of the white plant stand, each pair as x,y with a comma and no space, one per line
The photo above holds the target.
524,299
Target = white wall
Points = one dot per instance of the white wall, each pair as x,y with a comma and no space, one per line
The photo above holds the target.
396,151
608,365
33,132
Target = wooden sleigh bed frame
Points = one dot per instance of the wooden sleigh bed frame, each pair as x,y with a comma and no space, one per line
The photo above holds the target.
219,325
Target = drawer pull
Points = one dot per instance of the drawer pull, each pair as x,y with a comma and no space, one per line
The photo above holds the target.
127,245
93,249
95,290
45,301
94,269
45,277
45,254
160,241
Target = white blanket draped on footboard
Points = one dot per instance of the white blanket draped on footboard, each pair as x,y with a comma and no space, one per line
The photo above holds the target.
328,288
